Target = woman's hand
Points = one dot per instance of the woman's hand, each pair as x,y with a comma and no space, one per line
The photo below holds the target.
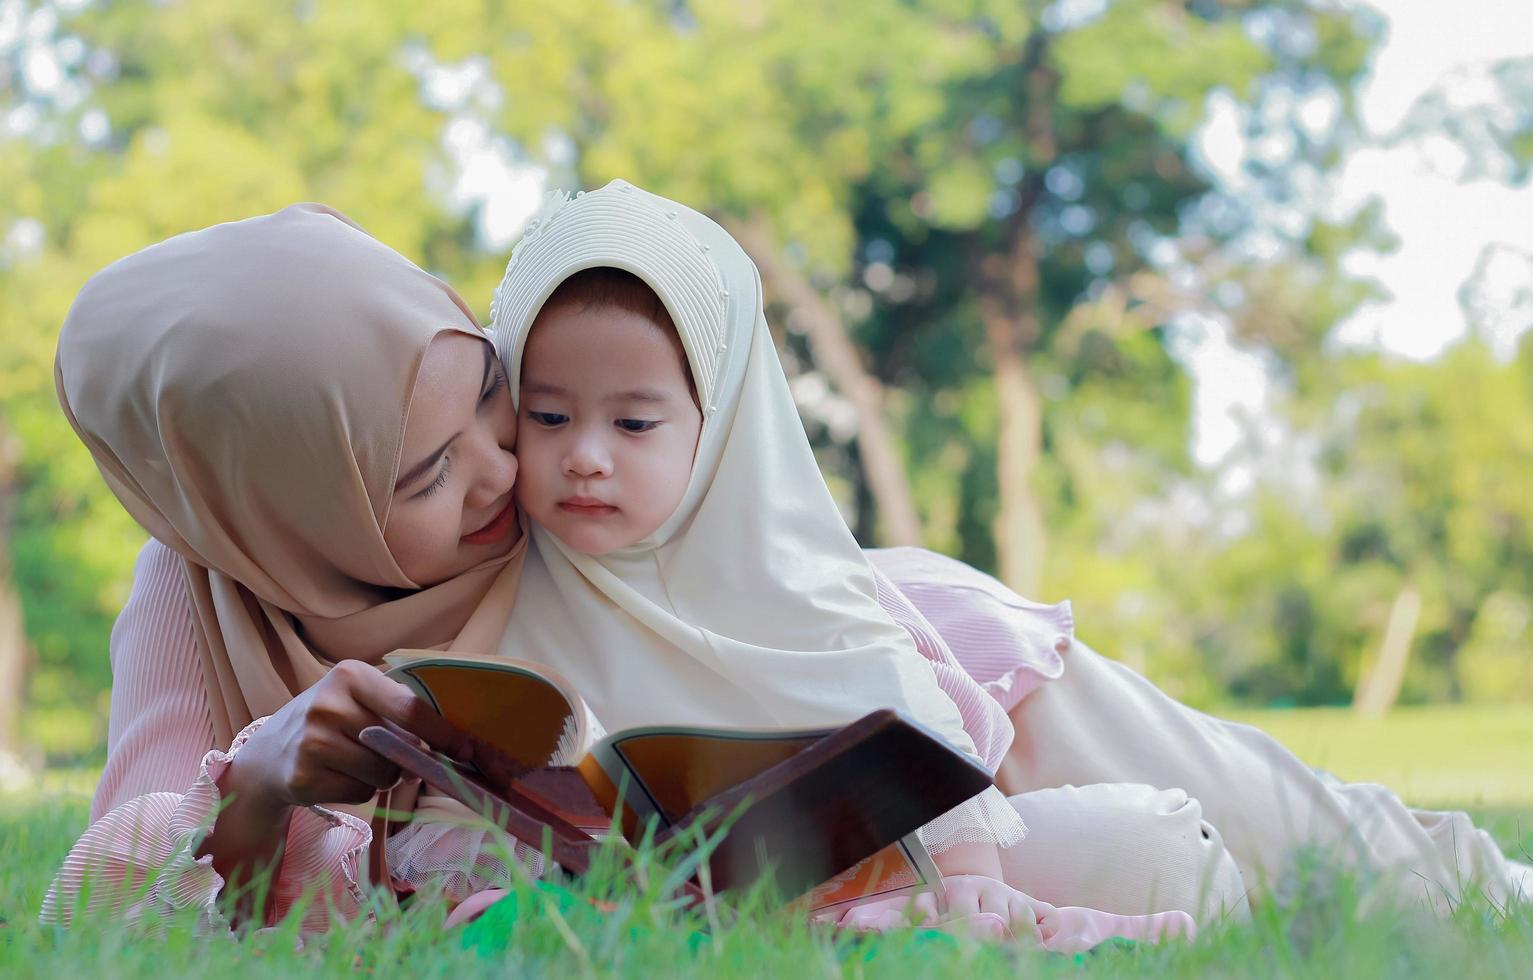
307,753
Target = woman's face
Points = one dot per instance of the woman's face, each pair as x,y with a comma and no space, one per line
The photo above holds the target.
453,507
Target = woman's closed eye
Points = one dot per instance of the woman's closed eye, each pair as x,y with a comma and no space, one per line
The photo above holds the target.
498,383
437,484
636,425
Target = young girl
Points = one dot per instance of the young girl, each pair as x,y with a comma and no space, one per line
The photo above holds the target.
688,564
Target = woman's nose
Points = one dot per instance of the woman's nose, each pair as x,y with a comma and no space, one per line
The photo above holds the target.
496,469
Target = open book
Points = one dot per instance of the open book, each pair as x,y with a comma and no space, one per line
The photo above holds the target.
831,814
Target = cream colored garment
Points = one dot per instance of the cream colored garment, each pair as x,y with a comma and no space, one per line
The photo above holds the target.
1103,723
244,390
1125,848
752,606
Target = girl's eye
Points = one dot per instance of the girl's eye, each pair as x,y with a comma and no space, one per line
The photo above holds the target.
635,425
549,419
438,483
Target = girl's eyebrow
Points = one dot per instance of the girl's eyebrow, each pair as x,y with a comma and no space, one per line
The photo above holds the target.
541,388
655,395
640,395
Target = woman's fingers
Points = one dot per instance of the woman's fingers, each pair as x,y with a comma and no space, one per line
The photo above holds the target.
342,787
397,707
330,768
391,700
363,765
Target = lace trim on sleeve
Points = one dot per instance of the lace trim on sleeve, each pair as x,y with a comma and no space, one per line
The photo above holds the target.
988,818
448,846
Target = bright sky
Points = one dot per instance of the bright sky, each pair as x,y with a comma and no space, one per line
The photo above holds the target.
1445,224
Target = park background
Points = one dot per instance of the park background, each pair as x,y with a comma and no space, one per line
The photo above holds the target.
1208,316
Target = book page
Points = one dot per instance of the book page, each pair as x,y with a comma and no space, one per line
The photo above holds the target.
814,819
516,707
671,770
902,868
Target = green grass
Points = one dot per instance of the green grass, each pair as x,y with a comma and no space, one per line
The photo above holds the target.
1457,755
1327,934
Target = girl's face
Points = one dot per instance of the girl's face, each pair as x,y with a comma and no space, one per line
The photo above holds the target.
608,424
453,506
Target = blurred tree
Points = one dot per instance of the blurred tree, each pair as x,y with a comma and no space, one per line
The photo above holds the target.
986,224
1063,203
1403,521
1426,467
162,120
1012,161
15,652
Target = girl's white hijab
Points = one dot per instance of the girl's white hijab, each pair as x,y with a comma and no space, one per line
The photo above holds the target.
752,606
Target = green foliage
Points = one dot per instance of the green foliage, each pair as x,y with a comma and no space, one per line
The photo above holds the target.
894,150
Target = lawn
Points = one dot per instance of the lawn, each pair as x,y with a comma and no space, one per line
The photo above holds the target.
1435,753
1451,756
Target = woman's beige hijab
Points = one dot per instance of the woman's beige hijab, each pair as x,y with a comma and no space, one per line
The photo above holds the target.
752,606
244,391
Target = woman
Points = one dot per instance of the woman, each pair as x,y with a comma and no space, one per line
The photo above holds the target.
243,390
316,433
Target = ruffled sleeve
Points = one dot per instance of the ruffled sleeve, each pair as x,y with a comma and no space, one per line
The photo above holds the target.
1009,645
159,791
139,860
988,818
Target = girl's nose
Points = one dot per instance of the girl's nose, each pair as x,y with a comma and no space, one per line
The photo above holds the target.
588,457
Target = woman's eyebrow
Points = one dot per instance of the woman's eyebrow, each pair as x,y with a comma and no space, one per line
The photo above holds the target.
424,466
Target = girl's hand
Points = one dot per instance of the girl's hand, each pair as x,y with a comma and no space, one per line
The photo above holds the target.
975,901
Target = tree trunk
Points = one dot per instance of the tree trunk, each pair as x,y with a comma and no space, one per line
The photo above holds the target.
1019,531
1379,688
14,654
13,664
835,354
1009,306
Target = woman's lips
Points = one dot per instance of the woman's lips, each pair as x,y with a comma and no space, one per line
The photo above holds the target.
587,507
499,525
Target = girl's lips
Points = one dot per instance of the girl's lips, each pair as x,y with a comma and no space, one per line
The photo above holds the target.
586,507
496,529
